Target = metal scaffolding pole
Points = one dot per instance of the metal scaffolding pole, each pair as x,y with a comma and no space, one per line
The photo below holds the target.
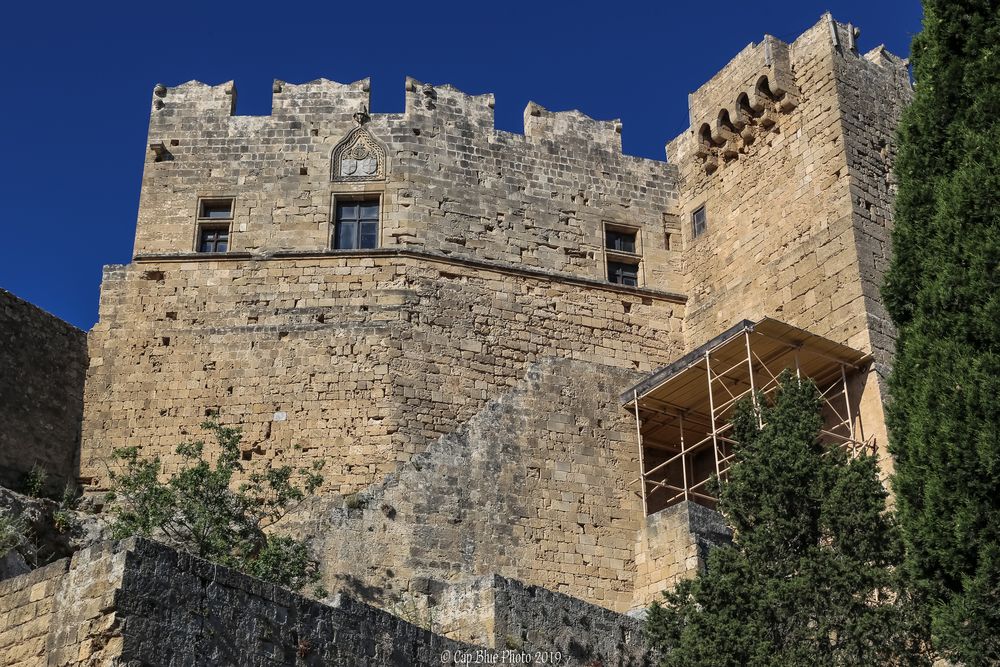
711,412
850,416
753,386
684,467
642,456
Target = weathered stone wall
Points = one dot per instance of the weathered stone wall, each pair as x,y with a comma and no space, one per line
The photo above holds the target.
540,622
63,613
672,545
873,91
780,229
453,184
26,605
789,233
43,362
534,487
360,361
119,602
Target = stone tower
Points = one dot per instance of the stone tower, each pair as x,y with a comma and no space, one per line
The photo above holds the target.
447,314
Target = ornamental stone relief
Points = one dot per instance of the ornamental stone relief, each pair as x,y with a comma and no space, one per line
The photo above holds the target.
359,156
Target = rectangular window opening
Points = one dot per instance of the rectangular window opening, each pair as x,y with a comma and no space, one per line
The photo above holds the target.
623,273
215,209
356,224
213,238
699,220
619,241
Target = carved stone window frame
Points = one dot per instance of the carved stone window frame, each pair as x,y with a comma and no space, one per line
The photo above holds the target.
356,192
203,223
612,256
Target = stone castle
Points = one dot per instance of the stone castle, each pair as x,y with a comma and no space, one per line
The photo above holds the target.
515,354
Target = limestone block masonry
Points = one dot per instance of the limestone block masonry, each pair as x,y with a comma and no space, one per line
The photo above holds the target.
456,357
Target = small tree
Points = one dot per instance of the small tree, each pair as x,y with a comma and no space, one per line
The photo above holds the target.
810,578
201,509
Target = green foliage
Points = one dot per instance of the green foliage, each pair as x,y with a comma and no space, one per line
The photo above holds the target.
64,518
810,577
201,509
13,531
943,293
34,481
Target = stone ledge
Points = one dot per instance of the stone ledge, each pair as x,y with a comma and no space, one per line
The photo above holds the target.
496,267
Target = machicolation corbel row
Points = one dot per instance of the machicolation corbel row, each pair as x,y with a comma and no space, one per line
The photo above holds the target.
515,354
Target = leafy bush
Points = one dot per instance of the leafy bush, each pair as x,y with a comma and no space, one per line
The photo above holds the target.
203,510
34,481
13,530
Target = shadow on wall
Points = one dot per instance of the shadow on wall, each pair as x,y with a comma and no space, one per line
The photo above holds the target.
43,364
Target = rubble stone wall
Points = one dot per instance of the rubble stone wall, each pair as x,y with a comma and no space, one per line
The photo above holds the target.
535,487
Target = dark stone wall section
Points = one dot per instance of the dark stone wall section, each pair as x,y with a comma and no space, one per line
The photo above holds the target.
181,610
43,363
564,630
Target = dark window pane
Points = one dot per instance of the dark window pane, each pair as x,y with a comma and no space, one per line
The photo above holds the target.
213,240
346,236
216,208
620,241
369,235
623,274
356,225
698,221
347,211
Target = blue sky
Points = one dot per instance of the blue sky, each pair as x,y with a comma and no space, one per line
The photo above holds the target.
78,79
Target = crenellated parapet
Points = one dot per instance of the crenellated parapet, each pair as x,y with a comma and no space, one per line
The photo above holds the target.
541,124
193,98
448,104
425,103
321,96
742,102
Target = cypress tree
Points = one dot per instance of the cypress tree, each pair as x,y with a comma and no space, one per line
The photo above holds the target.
811,576
943,293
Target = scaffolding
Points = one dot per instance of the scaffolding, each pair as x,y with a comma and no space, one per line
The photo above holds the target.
683,412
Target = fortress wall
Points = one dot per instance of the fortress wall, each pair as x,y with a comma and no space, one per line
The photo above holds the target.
42,365
873,89
359,361
63,613
535,486
797,210
454,184
780,230
139,602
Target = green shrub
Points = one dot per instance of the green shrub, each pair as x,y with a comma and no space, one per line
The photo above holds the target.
13,531
34,481
202,509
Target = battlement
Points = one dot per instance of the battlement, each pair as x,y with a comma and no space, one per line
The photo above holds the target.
423,101
748,97
319,96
